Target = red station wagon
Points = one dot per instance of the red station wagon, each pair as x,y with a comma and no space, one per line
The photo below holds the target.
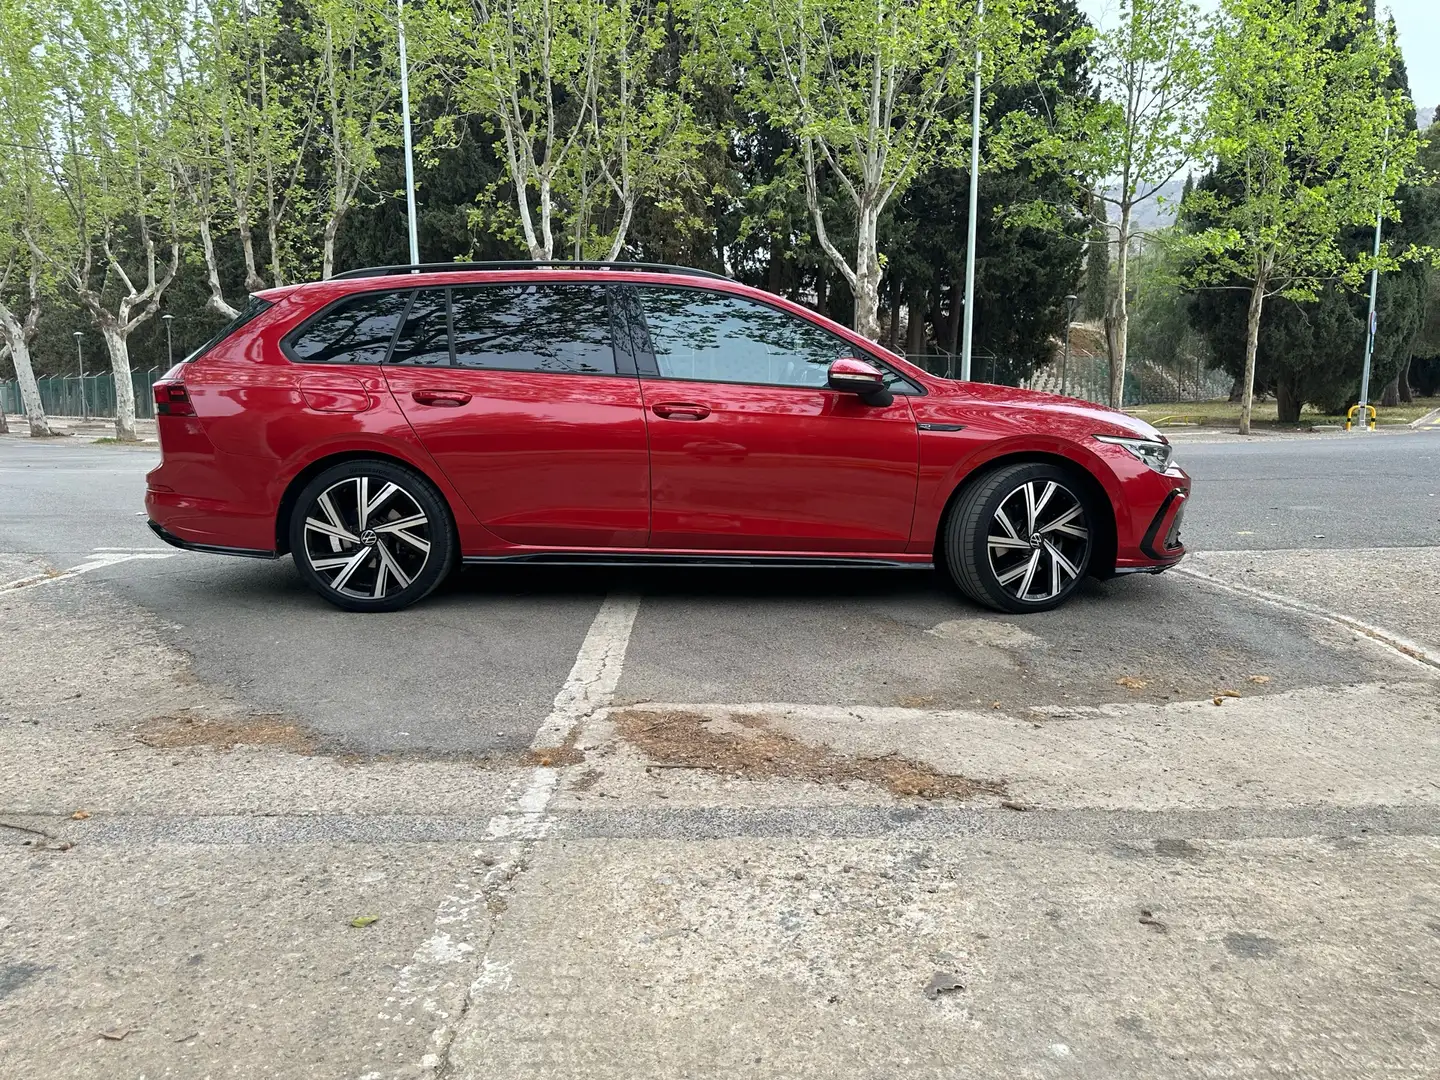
384,425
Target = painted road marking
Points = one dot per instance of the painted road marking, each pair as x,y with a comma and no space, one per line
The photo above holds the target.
97,561
589,688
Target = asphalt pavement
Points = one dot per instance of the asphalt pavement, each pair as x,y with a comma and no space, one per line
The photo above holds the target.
472,671
580,823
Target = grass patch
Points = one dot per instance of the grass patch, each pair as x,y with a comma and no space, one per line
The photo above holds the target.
1265,414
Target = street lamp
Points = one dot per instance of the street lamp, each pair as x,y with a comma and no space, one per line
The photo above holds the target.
1070,301
167,318
80,355
967,338
409,150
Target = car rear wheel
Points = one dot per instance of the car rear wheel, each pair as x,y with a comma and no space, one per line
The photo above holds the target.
1019,538
371,536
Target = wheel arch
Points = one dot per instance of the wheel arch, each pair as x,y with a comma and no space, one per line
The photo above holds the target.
1102,557
297,484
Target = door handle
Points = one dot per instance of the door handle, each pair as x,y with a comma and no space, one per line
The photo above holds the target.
680,410
452,399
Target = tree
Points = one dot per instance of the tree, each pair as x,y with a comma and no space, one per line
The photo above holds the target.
24,198
109,153
1308,141
1153,73
870,88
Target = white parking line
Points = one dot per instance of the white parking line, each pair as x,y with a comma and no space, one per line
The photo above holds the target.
97,561
589,688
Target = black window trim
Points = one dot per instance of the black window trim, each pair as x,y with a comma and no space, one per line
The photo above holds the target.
625,358
649,367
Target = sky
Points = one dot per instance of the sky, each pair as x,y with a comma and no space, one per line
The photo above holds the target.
1417,20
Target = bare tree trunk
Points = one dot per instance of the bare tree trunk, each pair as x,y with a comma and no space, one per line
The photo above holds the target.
1122,312
1252,343
119,350
915,326
217,303
1112,345
1390,396
1287,402
1403,379
17,340
867,275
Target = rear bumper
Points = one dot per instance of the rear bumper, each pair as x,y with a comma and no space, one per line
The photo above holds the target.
215,549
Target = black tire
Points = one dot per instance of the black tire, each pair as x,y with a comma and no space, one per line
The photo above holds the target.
405,561
996,576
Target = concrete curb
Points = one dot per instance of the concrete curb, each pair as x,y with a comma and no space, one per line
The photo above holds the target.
1432,417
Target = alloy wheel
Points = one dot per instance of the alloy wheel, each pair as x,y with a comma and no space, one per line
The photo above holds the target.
367,537
1038,541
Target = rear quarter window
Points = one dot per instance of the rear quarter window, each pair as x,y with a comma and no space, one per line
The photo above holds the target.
356,330
253,308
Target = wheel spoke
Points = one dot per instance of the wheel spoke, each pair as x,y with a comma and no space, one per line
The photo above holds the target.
379,500
1007,543
362,556
333,516
1050,489
1060,523
362,502
1004,521
1030,568
326,529
1015,571
387,562
1060,561
1030,510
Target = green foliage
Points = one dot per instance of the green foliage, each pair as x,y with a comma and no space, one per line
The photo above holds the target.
1313,132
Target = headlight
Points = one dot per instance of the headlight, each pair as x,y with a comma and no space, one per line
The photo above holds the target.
1157,455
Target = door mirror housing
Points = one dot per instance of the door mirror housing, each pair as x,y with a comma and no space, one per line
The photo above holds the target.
850,375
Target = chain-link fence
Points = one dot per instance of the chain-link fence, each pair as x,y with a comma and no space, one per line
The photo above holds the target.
1088,377
94,395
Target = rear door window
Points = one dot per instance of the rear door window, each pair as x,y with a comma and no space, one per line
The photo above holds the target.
424,338
356,330
547,327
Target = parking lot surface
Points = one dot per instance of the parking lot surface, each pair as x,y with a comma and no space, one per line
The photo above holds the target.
593,823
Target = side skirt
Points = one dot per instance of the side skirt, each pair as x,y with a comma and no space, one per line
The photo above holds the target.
772,562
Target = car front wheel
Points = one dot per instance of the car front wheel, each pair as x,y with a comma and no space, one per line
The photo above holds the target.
371,536
1019,538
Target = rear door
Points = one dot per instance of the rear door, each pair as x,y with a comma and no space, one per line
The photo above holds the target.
517,392
749,449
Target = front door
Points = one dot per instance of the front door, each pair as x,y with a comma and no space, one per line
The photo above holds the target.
522,404
749,450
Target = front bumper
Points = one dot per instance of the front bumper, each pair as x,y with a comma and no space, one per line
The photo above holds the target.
1161,541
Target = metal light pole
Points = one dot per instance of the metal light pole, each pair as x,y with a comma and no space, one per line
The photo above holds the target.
167,318
1070,301
80,355
1363,425
409,147
974,205
1370,320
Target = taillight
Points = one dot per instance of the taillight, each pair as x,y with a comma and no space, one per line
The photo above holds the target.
172,399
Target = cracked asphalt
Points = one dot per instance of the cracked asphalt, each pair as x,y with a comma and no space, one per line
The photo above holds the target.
1210,847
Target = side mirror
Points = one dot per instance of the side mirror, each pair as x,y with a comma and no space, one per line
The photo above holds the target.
852,376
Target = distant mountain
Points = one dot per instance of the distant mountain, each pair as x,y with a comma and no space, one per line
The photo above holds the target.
1156,212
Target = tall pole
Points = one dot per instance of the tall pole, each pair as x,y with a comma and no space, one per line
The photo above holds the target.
969,324
80,355
409,146
167,319
1370,318
1370,328
1065,359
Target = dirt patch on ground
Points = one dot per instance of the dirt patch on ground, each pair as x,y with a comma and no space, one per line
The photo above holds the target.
564,754
747,746
172,732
